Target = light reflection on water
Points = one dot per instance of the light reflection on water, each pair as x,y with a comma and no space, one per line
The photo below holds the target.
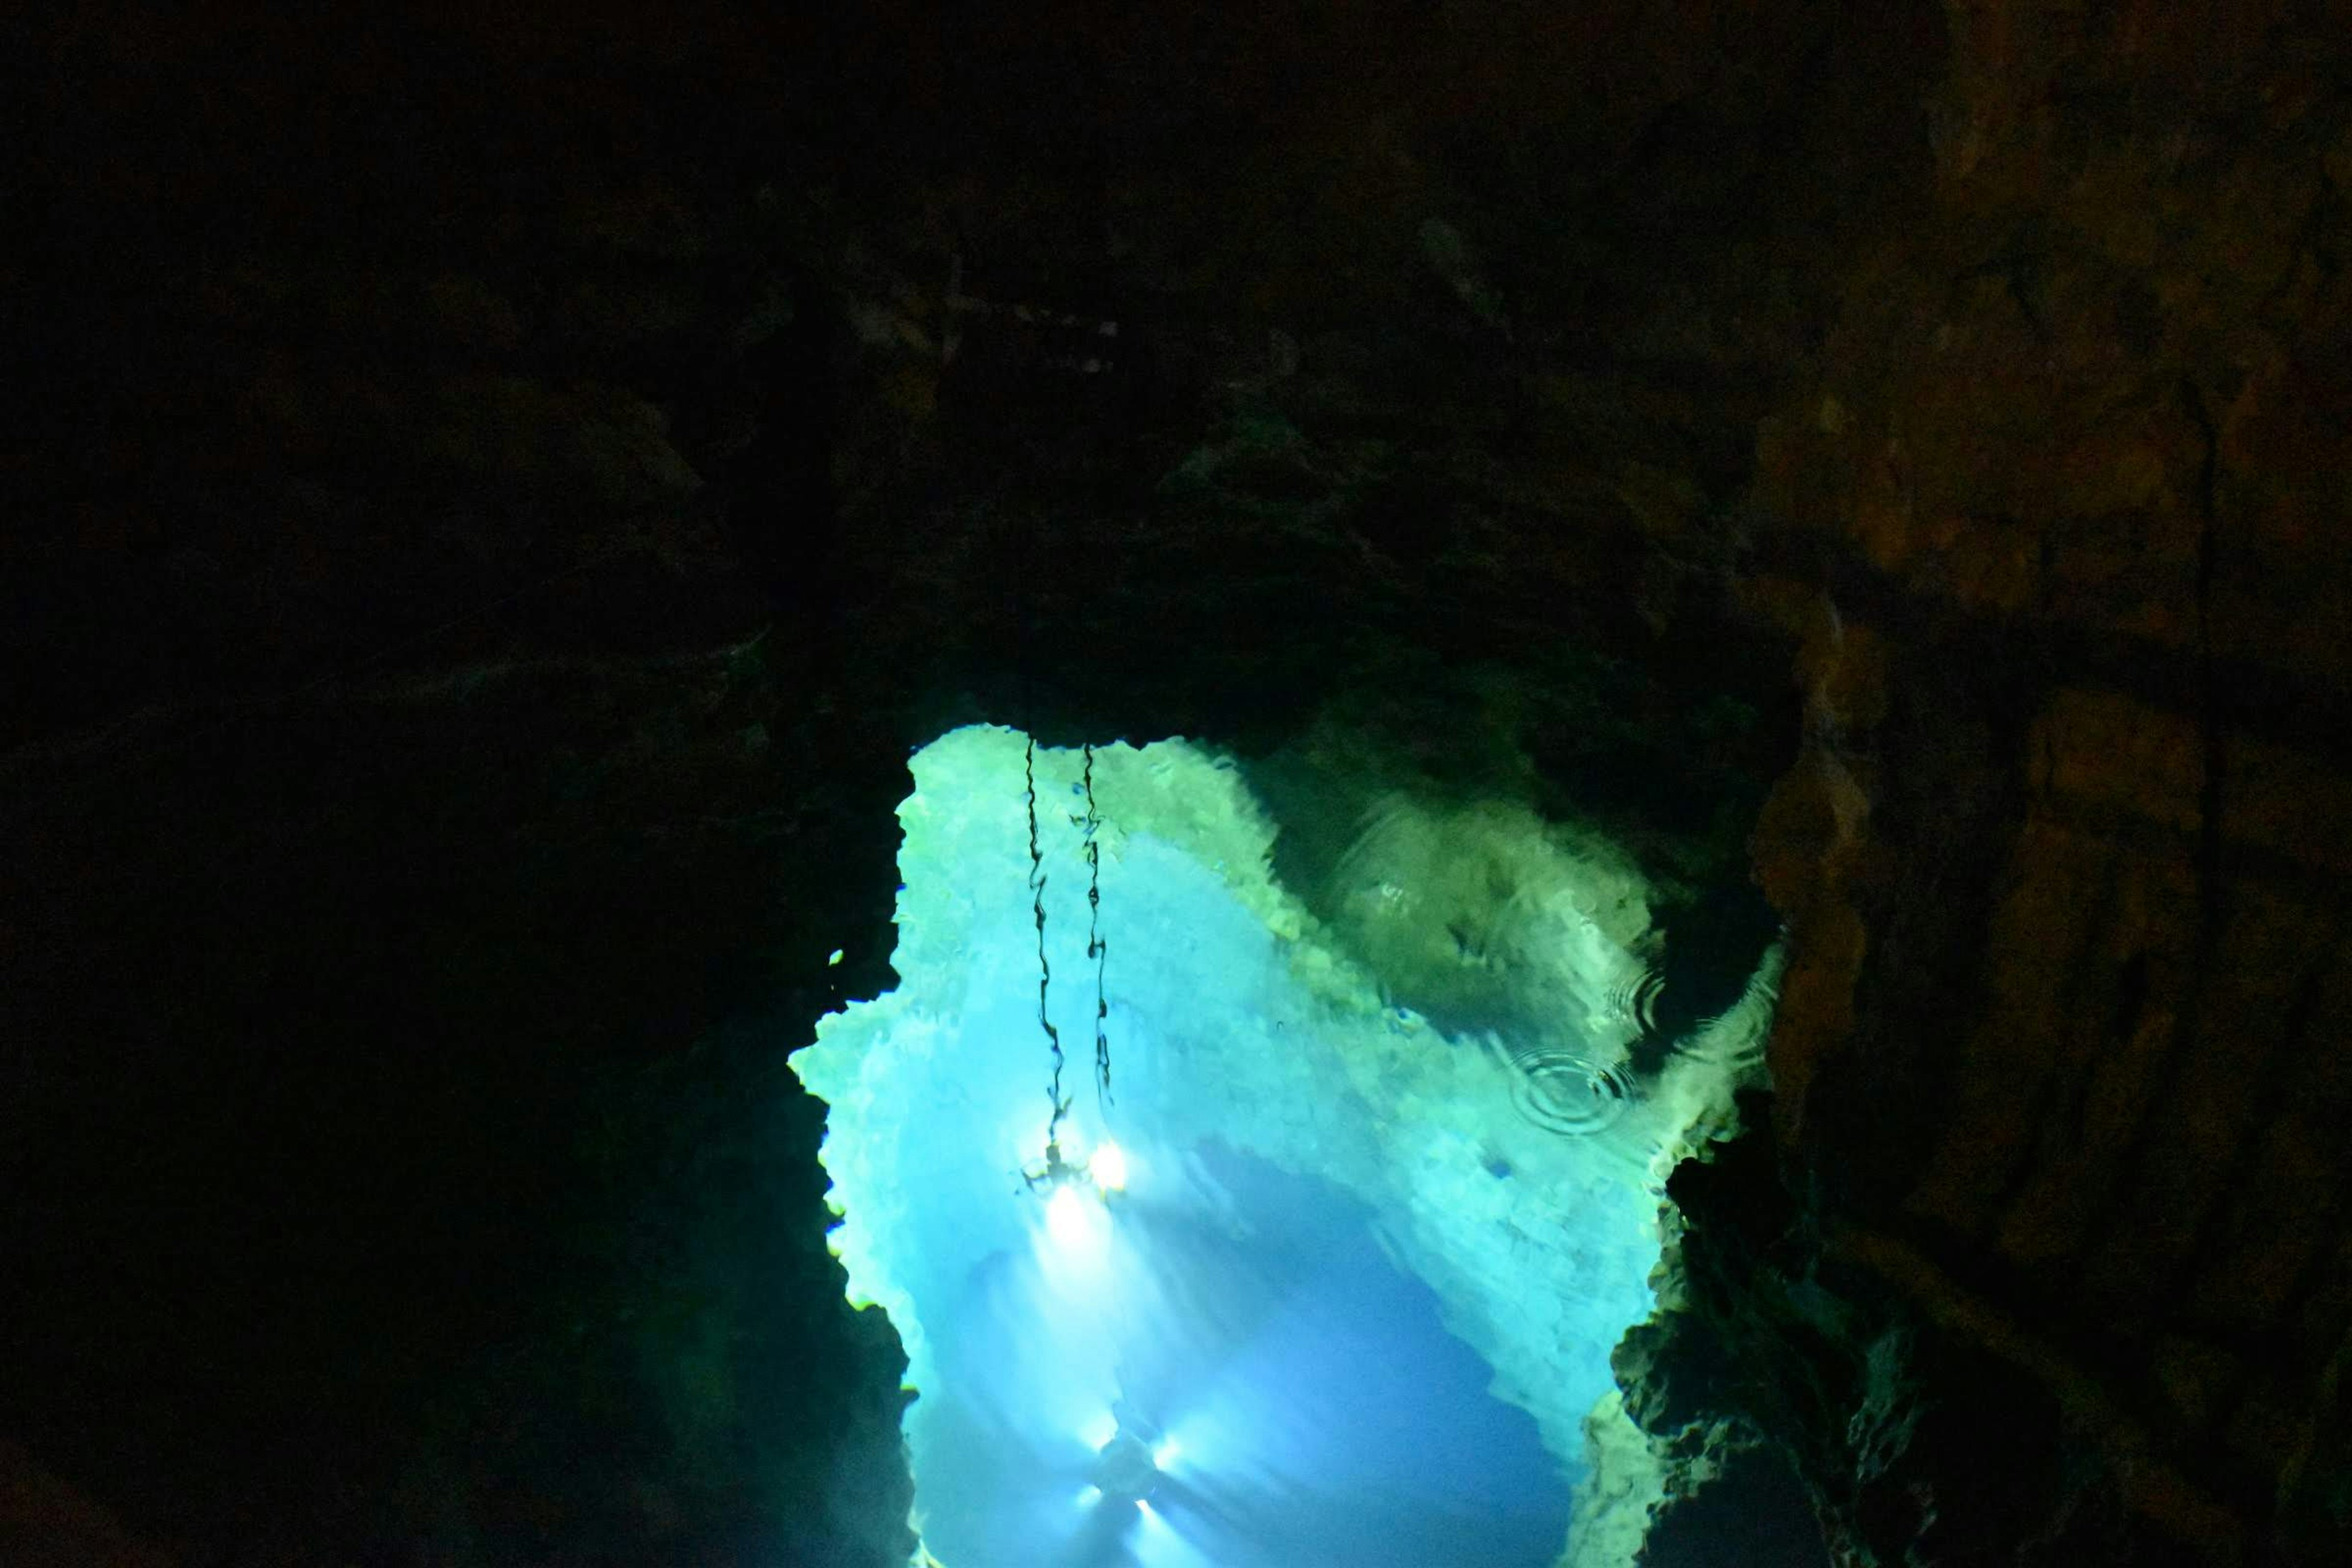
1482,1173
1307,1401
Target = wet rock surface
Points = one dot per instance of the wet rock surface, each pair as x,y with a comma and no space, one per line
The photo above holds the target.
494,498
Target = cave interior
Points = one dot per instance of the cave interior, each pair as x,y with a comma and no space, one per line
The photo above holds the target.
1323,782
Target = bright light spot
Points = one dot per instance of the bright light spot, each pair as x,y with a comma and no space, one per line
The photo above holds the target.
1072,1220
835,958
1100,1430
1108,1168
1089,1497
1166,1453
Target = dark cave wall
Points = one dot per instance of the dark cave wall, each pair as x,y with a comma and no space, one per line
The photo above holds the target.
534,480
2064,855
414,859
402,1164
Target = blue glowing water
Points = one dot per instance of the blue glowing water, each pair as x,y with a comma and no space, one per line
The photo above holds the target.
1307,1402
1312,1354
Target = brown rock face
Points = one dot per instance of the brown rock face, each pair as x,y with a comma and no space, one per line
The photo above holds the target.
2071,439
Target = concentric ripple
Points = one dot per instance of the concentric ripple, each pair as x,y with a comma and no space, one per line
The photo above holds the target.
1563,1092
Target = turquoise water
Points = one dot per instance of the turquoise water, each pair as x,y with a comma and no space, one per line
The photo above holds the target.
1301,1395
1357,1303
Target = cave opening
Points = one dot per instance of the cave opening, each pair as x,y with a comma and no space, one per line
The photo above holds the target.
1329,1258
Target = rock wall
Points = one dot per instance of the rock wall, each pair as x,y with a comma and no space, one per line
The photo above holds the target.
2061,1051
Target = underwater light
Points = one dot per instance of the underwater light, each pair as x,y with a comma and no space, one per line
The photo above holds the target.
1126,1461
1065,1166
1124,1471
1069,1219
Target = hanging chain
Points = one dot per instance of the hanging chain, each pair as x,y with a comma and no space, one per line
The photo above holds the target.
1044,969
1095,946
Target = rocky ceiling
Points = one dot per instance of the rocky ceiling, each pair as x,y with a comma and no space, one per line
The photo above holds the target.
494,495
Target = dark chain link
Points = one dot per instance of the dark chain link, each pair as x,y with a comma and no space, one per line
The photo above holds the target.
1044,968
1096,948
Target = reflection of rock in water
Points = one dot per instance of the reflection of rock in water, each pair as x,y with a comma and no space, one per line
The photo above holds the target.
1482,917
1561,1090
1636,1000
1542,940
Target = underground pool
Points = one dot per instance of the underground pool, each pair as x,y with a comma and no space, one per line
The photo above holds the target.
1206,1245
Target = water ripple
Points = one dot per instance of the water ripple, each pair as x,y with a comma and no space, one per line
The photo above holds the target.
1564,1092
